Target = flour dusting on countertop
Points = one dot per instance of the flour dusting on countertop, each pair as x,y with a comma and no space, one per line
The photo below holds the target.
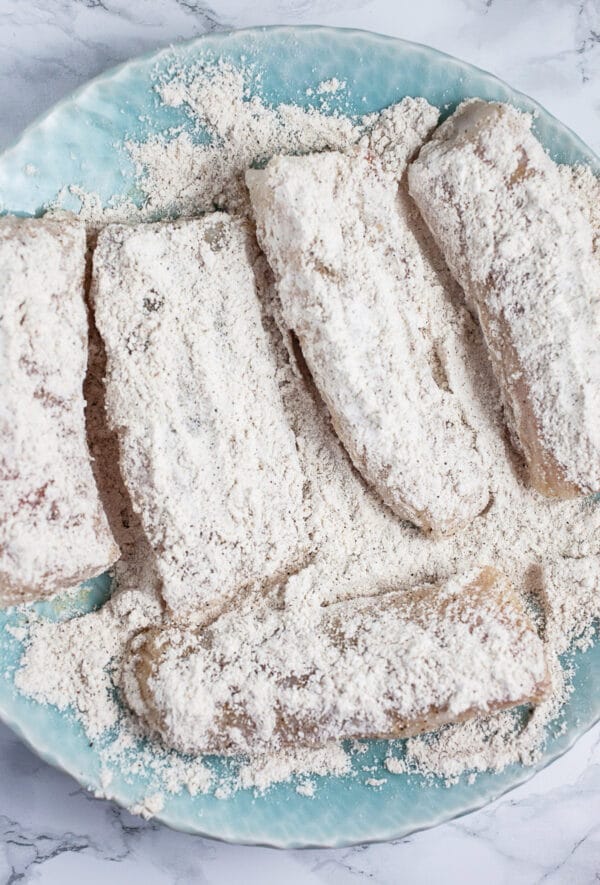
547,548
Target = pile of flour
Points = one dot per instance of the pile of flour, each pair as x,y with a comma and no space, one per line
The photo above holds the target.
549,548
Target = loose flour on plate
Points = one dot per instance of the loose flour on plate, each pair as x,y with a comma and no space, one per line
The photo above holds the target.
550,549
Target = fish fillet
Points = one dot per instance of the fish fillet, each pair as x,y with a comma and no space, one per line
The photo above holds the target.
53,530
350,278
522,249
385,666
206,452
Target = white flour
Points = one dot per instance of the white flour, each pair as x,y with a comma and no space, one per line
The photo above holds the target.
362,547
194,178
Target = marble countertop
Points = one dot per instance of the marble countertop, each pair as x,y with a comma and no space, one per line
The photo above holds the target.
52,831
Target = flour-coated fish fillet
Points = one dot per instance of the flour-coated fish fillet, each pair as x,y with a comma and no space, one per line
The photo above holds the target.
53,530
387,666
521,248
206,452
351,281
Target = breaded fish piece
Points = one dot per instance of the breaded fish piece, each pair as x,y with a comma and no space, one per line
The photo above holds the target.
521,248
350,278
206,452
384,666
53,530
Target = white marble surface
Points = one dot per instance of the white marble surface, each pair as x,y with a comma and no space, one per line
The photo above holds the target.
546,831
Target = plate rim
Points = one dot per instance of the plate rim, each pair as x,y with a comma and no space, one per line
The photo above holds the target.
155,54
163,818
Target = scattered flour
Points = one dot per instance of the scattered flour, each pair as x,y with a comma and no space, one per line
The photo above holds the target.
394,765
262,771
150,806
306,788
327,87
376,781
18,633
190,177
544,547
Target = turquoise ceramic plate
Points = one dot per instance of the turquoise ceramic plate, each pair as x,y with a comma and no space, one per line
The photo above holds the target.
75,143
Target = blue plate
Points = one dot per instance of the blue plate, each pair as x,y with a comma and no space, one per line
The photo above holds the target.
78,143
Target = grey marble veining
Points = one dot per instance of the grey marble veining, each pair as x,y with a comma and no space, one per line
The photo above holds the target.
52,831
